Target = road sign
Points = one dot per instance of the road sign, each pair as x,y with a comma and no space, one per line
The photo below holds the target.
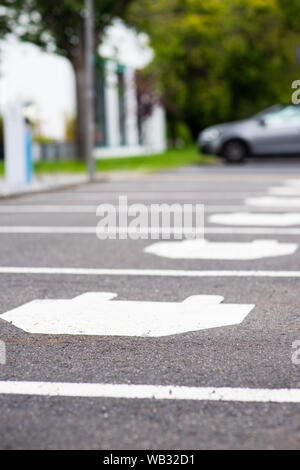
95,313
203,249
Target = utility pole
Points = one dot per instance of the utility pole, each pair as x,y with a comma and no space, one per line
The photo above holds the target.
89,87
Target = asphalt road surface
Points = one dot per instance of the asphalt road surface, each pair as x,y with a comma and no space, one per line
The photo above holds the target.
238,383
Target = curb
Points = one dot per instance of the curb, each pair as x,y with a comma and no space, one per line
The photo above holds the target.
49,189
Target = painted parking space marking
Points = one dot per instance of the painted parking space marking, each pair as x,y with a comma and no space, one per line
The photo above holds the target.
284,191
273,201
204,249
151,195
241,208
150,392
95,313
87,208
250,219
292,182
93,230
36,209
164,189
252,231
145,272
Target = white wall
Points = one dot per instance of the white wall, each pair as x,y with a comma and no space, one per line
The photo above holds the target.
112,105
30,75
154,130
131,123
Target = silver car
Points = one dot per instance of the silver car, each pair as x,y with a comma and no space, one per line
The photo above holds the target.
275,131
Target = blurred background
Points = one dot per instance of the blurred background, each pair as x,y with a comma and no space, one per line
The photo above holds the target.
163,70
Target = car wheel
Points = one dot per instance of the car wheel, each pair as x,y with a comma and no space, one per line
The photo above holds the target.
234,151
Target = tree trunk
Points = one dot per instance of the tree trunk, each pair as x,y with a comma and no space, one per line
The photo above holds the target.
77,59
80,109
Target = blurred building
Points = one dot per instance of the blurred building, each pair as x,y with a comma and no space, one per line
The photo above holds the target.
47,82
120,130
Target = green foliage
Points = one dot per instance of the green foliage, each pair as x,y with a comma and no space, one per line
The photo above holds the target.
215,60
144,163
220,60
70,128
57,25
290,10
42,139
181,134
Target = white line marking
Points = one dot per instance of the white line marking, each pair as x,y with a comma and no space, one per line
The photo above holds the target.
164,188
95,313
255,220
269,201
292,182
65,209
284,191
204,249
241,208
250,230
155,195
144,272
47,229
7,209
90,230
150,392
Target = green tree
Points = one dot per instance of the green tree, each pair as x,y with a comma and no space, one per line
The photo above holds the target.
291,14
260,61
217,60
58,26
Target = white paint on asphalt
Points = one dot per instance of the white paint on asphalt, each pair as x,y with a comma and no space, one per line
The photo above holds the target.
41,209
47,229
93,230
90,209
247,218
144,272
93,313
292,182
72,208
269,201
252,231
165,187
240,208
150,392
204,249
151,195
284,191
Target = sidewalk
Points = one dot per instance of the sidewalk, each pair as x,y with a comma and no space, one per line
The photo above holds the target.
44,182
41,183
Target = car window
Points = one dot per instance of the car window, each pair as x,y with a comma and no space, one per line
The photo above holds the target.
286,116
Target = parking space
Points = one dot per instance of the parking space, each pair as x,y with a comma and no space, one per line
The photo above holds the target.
74,369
